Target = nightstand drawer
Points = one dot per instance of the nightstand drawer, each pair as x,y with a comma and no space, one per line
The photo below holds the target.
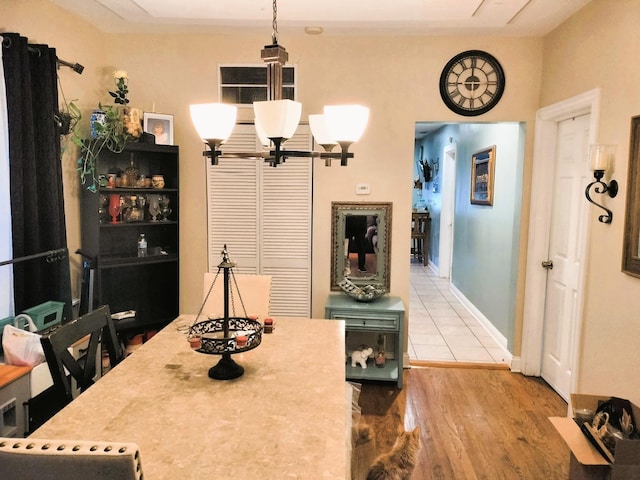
355,322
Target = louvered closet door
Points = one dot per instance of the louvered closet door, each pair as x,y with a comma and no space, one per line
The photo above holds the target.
263,215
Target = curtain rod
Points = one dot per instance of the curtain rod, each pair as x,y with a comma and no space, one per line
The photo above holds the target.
76,67
52,256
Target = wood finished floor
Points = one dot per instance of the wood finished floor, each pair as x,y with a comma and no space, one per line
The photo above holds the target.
475,423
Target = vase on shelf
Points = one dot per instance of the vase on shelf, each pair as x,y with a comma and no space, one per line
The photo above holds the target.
153,201
114,207
157,181
131,173
97,117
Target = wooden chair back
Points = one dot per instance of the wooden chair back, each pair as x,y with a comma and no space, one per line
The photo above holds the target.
420,226
254,290
98,327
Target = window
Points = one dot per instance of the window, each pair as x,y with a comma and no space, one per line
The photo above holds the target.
243,85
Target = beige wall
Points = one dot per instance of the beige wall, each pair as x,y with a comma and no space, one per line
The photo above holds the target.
599,47
397,77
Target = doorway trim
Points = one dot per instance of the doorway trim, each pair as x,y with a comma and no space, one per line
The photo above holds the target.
447,213
544,159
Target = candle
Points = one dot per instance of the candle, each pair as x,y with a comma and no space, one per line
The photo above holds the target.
241,341
601,156
268,325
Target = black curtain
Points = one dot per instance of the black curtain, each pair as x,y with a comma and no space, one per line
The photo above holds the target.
37,202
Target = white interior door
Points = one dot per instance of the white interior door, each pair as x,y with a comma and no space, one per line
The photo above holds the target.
566,252
448,189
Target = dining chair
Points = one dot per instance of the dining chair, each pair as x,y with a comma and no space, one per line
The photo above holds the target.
96,327
254,290
26,459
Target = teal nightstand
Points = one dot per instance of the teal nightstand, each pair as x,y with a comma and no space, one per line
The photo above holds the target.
366,324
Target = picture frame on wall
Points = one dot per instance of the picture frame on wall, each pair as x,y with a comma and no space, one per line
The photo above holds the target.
483,176
160,125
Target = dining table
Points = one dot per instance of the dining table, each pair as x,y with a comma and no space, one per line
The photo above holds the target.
286,417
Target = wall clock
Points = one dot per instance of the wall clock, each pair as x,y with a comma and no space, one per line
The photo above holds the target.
472,83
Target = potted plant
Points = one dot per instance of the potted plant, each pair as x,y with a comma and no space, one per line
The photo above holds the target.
108,133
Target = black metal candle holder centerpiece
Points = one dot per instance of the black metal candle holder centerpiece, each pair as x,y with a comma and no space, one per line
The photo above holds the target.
226,335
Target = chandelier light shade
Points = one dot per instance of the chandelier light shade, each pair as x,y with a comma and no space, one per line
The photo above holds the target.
320,131
276,119
214,122
262,135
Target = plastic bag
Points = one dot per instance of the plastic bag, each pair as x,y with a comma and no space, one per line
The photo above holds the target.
21,348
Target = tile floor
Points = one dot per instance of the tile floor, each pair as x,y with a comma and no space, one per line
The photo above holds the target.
440,327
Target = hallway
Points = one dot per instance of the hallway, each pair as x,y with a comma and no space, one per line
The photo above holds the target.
440,327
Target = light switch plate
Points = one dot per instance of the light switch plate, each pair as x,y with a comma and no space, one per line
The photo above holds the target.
363,189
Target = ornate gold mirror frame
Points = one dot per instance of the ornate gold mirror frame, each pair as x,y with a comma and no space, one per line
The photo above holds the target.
354,225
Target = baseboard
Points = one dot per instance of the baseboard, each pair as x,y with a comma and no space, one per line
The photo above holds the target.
484,322
406,360
443,364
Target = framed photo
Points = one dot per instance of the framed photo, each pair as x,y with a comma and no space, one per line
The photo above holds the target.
482,176
161,126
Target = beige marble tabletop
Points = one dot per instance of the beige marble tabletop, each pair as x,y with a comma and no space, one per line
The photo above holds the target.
285,418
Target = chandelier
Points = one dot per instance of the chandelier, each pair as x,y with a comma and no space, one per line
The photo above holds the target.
276,119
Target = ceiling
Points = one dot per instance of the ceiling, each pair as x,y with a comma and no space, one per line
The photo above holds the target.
334,17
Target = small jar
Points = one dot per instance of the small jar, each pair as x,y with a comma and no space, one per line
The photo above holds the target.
195,342
241,341
157,181
111,182
268,325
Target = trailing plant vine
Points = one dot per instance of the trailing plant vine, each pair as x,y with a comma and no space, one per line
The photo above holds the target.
109,135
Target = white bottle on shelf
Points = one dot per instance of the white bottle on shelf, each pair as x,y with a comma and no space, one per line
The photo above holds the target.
142,246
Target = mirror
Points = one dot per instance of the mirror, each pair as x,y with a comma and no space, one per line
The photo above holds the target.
361,243
631,244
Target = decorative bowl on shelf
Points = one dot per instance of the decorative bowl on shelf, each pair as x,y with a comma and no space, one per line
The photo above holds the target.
366,293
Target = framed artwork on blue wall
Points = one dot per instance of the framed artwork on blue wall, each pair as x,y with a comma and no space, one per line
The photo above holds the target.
482,176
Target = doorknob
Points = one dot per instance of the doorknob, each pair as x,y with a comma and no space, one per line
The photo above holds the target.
548,264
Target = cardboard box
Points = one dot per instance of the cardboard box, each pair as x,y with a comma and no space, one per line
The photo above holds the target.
586,463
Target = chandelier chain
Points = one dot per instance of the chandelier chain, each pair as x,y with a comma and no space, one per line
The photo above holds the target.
274,35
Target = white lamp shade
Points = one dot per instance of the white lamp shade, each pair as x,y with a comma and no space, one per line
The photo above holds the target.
346,123
262,136
278,118
320,131
213,121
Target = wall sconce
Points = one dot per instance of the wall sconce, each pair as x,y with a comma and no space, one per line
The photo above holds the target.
600,157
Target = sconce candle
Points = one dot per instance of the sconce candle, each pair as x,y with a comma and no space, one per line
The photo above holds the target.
601,156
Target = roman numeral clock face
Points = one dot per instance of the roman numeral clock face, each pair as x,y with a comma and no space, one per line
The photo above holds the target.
472,83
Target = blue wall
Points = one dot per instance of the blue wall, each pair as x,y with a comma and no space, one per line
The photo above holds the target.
486,238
